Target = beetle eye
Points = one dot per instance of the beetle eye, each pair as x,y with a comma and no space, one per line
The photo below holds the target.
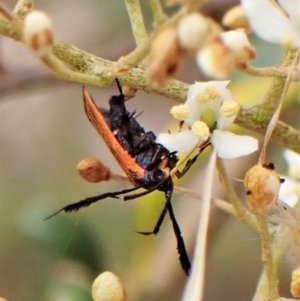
159,175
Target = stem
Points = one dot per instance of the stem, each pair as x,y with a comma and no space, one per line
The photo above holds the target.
133,59
5,12
241,212
261,114
269,268
65,73
271,72
280,244
22,8
158,14
275,117
137,21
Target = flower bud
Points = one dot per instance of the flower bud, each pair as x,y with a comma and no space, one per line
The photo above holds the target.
238,43
38,33
108,287
164,58
235,18
295,284
1,299
180,112
231,51
195,30
262,185
128,92
92,170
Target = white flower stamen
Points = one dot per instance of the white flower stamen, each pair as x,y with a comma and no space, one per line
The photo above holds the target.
200,129
208,95
180,112
229,109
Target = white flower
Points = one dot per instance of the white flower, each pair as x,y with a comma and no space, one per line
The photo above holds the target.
181,142
203,96
214,96
274,23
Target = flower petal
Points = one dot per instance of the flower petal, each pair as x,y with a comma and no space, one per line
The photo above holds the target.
182,142
292,8
230,146
199,87
207,95
269,21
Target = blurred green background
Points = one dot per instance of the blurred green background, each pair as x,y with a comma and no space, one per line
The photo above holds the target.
44,133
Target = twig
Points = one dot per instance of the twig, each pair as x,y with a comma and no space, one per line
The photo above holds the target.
5,12
241,212
267,258
137,21
279,247
271,72
22,8
158,14
275,116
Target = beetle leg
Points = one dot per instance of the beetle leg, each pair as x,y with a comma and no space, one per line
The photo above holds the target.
90,200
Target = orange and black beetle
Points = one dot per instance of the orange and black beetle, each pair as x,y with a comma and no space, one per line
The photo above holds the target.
146,163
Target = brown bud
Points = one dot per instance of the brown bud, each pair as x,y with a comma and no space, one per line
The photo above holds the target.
262,185
295,284
92,170
164,58
235,18
229,52
128,92
108,287
38,33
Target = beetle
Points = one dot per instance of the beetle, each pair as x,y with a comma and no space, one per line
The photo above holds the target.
147,164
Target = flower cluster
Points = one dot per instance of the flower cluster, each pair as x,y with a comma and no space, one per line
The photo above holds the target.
217,53
201,97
